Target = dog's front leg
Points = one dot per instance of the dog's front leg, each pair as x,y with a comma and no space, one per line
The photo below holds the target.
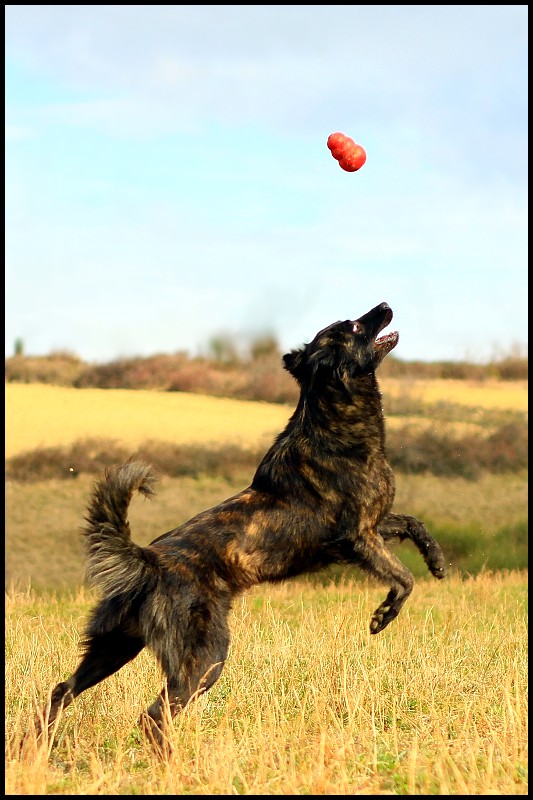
403,526
370,553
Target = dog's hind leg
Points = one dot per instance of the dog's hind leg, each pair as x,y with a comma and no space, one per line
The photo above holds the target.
372,554
104,654
402,526
155,721
196,672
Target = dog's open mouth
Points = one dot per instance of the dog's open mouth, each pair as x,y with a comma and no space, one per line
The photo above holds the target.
386,343
371,324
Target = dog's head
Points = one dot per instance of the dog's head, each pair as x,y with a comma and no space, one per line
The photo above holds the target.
347,349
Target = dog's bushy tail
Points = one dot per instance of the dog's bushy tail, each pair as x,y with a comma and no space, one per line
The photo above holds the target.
115,564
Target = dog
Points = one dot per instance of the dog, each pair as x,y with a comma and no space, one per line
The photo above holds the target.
322,495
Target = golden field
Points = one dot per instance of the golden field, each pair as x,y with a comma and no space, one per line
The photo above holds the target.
39,415
308,702
511,395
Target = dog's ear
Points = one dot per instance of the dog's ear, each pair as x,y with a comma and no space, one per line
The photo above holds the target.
323,357
294,362
303,364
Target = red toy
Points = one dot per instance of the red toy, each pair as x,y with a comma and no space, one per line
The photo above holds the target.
351,156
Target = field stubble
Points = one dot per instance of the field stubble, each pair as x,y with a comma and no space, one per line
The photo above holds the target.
309,702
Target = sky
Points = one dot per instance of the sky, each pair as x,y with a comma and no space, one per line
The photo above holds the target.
168,179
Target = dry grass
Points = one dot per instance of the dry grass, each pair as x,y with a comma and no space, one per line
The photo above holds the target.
39,415
309,702
486,394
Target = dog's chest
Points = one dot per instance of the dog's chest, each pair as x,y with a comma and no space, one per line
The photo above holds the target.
369,492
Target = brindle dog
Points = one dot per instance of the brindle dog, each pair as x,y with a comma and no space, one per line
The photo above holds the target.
322,495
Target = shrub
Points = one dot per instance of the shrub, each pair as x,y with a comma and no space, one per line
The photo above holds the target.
91,456
505,450
409,451
419,452
59,369
155,372
205,378
266,380
258,376
512,369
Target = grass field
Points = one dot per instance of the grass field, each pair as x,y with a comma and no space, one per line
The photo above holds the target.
308,703
512,395
40,415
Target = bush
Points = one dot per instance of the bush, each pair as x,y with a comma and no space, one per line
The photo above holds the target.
409,451
91,456
266,380
507,446
58,369
155,372
259,376
425,451
505,450
512,369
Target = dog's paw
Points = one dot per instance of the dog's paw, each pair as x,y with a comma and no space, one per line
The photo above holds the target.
153,732
380,619
435,562
34,740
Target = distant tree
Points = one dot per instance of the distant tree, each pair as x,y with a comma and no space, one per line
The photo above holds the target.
223,349
264,345
19,347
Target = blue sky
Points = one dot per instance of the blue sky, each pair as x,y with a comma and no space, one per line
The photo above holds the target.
168,179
